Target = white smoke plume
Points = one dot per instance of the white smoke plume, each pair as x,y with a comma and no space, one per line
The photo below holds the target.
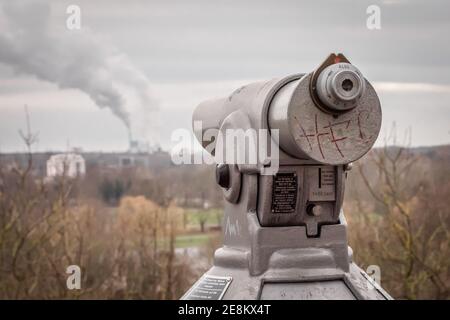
80,59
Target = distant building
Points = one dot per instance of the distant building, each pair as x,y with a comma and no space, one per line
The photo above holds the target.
67,164
139,147
154,161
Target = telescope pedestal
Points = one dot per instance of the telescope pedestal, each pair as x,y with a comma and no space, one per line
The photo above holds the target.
289,266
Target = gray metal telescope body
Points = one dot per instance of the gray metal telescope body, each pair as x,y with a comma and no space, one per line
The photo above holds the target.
285,235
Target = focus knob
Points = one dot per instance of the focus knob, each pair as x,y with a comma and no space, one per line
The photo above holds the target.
223,175
314,210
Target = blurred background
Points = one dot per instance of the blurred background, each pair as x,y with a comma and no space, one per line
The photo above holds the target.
92,91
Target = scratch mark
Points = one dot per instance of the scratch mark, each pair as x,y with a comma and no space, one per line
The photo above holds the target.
304,133
338,123
318,135
334,140
361,134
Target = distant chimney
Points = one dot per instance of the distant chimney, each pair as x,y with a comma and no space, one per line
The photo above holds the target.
130,138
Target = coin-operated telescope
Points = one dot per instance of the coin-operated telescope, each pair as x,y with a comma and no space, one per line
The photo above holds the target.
285,235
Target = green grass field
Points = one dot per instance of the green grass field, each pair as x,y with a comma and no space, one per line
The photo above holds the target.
213,217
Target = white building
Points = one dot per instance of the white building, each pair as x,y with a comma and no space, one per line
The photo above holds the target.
68,164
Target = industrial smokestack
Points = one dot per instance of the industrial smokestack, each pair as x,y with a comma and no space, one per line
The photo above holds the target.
130,139
74,59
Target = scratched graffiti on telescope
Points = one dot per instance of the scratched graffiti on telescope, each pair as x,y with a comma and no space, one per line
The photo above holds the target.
338,131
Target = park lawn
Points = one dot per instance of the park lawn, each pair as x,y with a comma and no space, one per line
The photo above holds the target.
211,216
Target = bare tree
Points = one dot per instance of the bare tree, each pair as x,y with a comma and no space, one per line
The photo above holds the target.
406,231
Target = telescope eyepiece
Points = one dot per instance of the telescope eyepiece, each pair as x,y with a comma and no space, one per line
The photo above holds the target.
340,86
347,85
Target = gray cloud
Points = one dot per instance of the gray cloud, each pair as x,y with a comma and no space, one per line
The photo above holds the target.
72,59
199,49
216,40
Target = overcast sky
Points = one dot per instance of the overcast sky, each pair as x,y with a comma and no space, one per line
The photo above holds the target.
149,63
